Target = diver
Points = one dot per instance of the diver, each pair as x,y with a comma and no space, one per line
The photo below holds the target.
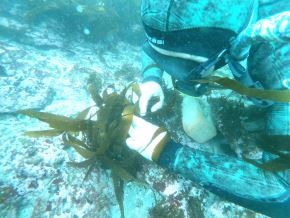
191,39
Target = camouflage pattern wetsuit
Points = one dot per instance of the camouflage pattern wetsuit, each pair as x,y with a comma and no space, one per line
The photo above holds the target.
203,28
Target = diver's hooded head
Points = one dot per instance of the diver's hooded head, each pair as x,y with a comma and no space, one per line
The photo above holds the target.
172,15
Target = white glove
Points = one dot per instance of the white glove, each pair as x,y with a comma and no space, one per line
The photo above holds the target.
141,138
149,90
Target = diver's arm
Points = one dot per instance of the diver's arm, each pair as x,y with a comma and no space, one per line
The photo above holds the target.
150,70
221,172
230,178
275,28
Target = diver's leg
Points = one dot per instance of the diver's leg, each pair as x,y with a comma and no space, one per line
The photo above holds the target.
230,178
270,65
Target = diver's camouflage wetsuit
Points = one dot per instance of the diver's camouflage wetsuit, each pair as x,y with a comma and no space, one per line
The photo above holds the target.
204,28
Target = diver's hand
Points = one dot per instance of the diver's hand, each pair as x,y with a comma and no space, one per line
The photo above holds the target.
144,139
149,90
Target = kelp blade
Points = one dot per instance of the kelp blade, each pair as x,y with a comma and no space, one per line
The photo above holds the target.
119,192
120,171
89,172
95,95
276,165
81,150
274,95
57,121
44,133
136,89
82,164
277,142
127,118
83,114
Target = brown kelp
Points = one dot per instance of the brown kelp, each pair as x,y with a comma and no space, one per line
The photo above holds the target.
98,140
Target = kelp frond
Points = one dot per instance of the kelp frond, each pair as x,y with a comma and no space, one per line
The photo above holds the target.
58,122
44,133
101,140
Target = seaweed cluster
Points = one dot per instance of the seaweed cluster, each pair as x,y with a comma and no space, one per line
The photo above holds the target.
100,140
233,120
244,128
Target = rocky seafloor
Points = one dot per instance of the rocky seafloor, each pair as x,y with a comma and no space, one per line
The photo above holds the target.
45,72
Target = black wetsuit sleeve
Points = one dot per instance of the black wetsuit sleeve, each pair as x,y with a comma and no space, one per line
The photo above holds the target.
150,70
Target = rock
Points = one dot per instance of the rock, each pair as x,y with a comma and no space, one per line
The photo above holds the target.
17,94
3,71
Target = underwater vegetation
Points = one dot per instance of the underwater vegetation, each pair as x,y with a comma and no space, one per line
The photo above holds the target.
99,140
161,209
96,19
278,148
242,131
246,131
172,207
